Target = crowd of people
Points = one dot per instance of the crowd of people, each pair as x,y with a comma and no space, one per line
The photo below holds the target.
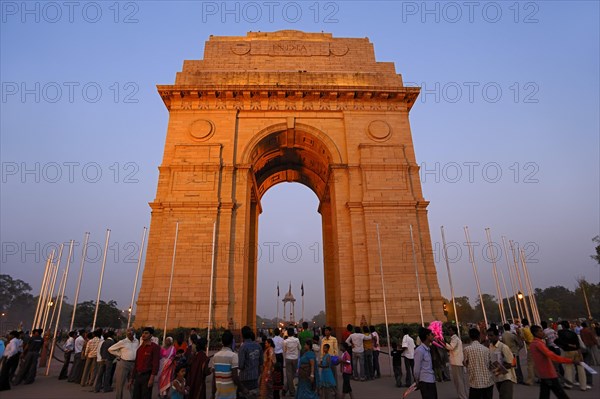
308,363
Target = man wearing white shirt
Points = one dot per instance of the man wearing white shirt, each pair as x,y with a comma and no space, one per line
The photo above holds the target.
457,369
10,358
124,351
291,351
355,340
77,369
408,353
68,351
278,342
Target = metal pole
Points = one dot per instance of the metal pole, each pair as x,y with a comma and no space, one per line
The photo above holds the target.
512,282
512,248
512,317
83,255
450,279
532,301
171,281
417,275
137,273
62,296
44,304
37,309
472,258
51,291
212,274
587,305
101,278
59,287
495,273
387,329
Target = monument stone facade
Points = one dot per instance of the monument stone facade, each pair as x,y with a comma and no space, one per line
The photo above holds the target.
288,106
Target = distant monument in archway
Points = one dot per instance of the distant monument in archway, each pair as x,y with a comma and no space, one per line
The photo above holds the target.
288,106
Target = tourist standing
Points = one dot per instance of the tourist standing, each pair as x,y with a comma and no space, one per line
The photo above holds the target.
166,367
266,377
278,348
478,361
125,351
78,360
368,347
104,375
457,369
346,362
542,360
356,341
291,350
90,355
147,359
568,341
198,364
307,365
327,384
249,363
423,365
502,362
225,366
397,364
68,351
10,360
31,353
376,351
515,343
408,352
528,339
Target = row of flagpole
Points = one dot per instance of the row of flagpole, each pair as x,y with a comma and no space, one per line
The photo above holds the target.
51,297
520,280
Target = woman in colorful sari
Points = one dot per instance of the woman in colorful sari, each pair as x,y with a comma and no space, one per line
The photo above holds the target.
197,362
266,378
166,368
307,382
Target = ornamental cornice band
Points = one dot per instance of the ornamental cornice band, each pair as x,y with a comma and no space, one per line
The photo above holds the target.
283,99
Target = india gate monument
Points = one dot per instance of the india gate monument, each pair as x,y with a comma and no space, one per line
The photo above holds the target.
288,106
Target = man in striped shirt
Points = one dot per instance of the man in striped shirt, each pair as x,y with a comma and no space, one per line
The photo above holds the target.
225,366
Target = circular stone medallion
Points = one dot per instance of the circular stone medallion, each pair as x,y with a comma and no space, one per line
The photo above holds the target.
201,129
379,130
240,48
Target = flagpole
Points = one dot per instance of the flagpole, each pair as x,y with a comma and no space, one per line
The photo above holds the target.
43,304
171,281
495,274
277,320
137,273
59,286
587,305
532,302
450,279
512,282
37,309
520,282
51,291
302,287
212,274
62,296
512,316
387,329
101,278
83,255
416,274
472,258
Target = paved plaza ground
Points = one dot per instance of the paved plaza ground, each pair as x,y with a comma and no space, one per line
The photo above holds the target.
51,388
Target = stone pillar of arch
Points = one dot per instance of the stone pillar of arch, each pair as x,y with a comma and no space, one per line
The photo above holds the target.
276,107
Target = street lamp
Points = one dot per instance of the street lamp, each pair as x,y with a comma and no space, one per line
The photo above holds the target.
520,296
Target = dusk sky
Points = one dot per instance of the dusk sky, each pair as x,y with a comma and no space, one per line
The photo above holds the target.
506,131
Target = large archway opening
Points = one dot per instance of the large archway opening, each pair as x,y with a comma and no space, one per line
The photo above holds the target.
292,155
291,254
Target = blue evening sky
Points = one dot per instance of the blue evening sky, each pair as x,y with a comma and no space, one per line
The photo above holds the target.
506,130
